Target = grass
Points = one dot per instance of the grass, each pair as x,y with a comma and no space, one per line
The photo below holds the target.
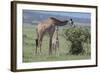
29,35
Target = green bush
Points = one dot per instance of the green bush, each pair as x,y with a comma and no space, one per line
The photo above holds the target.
77,36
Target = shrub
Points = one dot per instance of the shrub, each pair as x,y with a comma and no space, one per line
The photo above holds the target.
77,36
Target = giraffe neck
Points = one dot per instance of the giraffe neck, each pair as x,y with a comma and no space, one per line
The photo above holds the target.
62,23
57,22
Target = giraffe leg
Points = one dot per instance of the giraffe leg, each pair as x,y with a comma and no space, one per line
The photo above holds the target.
36,50
40,43
36,45
40,46
50,46
55,50
50,41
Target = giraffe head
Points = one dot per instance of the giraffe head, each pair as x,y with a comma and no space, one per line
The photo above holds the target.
70,22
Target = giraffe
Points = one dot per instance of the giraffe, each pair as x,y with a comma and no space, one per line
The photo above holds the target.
48,26
55,41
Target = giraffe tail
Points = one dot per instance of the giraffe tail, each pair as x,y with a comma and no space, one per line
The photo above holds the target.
37,44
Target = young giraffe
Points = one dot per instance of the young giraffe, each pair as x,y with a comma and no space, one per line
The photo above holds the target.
55,42
48,26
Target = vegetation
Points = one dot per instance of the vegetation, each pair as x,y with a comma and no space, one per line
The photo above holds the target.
77,36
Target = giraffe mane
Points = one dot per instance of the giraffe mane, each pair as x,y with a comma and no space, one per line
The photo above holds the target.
52,18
